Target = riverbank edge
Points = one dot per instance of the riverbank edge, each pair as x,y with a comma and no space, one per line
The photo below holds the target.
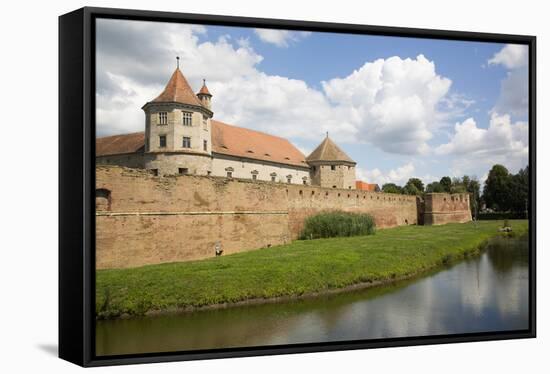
446,261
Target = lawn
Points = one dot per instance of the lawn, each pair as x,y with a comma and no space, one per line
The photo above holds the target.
302,267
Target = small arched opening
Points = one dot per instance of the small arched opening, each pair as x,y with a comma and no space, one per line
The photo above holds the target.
102,199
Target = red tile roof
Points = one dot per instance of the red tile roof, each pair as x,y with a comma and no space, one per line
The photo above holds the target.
364,186
120,144
178,90
328,151
204,89
226,139
241,142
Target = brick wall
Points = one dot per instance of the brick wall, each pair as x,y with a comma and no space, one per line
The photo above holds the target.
442,208
143,219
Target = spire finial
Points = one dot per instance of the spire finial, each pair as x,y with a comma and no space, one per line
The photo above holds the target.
203,82
327,134
178,61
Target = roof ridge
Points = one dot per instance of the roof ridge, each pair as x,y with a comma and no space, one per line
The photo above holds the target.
126,134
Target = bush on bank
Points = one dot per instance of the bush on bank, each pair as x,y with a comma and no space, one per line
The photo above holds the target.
338,224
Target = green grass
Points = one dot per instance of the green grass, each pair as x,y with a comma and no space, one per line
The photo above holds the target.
291,270
337,224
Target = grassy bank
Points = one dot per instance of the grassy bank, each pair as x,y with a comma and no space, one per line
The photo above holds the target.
302,267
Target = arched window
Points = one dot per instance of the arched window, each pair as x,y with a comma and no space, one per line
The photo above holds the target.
102,199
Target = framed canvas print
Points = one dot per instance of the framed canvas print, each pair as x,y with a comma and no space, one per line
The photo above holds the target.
235,186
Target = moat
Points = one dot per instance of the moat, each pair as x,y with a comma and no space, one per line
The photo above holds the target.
480,294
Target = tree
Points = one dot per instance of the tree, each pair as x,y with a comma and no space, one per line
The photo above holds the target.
446,184
410,189
496,191
417,183
392,188
519,190
434,187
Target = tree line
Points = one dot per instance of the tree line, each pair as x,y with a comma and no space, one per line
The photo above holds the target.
502,191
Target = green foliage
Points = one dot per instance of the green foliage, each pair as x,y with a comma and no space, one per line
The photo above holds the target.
418,186
446,184
392,188
505,192
434,187
337,224
500,216
304,266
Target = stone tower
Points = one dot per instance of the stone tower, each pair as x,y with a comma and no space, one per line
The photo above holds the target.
178,132
331,167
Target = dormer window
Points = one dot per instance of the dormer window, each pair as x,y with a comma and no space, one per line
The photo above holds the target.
163,118
187,118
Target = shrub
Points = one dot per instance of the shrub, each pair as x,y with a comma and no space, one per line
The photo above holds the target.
335,224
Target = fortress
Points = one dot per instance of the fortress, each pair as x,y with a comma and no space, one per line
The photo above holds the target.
190,187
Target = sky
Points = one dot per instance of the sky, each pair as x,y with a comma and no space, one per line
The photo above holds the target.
400,107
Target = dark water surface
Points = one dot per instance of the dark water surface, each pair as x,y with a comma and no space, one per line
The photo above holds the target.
481,294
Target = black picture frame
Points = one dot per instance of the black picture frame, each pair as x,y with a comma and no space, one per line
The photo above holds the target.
77,181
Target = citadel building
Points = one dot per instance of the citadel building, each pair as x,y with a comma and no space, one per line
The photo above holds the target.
181,137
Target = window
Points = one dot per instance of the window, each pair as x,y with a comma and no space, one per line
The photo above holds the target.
204,122
254,177
205,145
187,118
305,181
273,176
229,174
155,172
332,167
163,118
183,171
186,142
162,141
289,179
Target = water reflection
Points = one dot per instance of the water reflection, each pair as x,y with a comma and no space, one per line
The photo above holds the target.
486,293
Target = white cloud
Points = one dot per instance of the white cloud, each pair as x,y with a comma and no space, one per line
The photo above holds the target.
514,94
504,142
399,175
280,38
512,56
393,104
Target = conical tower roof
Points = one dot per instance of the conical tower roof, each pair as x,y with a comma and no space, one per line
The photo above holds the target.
204,89
328,151
178,90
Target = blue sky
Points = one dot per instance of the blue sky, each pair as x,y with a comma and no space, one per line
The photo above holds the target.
414,107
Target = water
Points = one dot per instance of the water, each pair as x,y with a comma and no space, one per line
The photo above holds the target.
481,294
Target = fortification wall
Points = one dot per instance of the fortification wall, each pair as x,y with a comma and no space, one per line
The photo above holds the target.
142,219
442,208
